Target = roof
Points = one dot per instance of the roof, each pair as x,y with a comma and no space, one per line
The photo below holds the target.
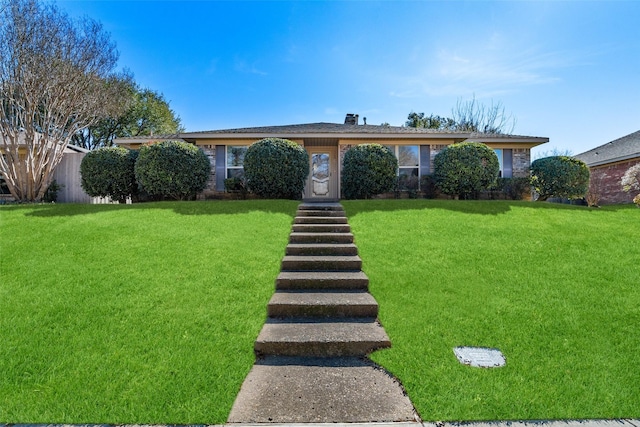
621,149
337,130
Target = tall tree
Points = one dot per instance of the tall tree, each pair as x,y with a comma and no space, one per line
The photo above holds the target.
468,116
147,113
56,77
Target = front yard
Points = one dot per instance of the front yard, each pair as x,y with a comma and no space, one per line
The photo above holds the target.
147,313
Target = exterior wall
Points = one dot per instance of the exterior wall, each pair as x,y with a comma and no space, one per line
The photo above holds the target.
210,189
521,162
605,182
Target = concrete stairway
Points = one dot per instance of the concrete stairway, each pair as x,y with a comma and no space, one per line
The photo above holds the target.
322,323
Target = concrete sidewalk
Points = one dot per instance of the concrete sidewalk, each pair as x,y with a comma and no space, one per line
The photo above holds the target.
530,423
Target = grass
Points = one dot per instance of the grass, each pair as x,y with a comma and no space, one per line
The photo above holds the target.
133,314
555,288
147,314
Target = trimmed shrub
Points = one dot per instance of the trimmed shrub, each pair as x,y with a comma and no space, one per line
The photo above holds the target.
428,186
109,172
560,177
276,168
513,188
465,169
172,169
367,170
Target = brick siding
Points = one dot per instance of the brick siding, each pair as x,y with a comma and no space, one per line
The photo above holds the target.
605,181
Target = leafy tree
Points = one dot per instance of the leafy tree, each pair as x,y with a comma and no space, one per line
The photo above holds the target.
469,116
368,169
56,77
465,169
276,168
147,113
419,120
172,169
109,172
559,176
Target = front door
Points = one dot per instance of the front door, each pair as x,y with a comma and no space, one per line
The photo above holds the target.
322,183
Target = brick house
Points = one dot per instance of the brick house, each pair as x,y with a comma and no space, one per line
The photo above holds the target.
326,144
608,163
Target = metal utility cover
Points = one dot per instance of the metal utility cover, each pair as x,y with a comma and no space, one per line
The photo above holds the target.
480,357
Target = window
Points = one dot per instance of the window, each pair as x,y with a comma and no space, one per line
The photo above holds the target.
505,160
408,159
235,160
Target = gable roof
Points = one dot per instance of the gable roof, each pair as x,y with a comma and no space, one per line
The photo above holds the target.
337,130
625,148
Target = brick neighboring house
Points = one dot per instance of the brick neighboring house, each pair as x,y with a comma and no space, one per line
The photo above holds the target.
326,144
608,163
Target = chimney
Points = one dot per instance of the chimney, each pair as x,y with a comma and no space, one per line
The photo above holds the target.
351,119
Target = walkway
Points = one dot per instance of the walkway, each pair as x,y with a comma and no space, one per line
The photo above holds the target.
312,364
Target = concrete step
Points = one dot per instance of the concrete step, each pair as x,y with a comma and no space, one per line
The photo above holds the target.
338,214
296,237
349,337
322,304
326,249
321,228
321,263
320,207
347,280
320,220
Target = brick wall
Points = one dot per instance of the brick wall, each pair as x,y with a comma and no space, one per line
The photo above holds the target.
605,181
521,162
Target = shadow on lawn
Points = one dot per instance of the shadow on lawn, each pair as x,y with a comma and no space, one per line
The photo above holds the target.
227,207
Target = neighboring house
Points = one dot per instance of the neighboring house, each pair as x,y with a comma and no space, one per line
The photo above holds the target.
607,163
66,174
327,143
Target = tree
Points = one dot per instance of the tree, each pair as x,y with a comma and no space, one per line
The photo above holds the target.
465,169
276,168
559,176
56,77
109,172
469,116
172,169
368,169
631,179
147,114
419,120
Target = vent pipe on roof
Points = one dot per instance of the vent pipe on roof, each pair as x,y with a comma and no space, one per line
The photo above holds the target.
351,119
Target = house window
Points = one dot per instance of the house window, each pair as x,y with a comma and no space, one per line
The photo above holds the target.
235,160
408,159
505,160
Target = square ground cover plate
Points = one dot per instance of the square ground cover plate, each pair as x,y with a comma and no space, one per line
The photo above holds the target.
480,357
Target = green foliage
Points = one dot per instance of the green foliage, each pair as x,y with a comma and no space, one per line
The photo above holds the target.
513,188
368,169
51,195
408,184
428,186
172,169
236,185
109,172
465,169
419,120
559,176
276,168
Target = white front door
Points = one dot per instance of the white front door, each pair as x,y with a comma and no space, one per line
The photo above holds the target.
323,179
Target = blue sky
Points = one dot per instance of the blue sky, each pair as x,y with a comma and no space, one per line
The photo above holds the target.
566,70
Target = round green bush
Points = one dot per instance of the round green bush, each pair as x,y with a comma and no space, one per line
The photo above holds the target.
559,176
465,169
367,170
172,169
109,172
276,168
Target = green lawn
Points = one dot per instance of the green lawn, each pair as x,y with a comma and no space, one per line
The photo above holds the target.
555,288
133,314
148,313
